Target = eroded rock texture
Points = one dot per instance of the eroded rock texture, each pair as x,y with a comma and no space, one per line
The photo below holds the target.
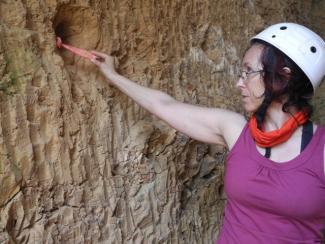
79,161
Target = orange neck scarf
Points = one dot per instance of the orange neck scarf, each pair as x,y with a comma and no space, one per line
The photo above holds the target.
275,137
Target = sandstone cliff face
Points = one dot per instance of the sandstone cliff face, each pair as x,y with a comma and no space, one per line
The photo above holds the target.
79,161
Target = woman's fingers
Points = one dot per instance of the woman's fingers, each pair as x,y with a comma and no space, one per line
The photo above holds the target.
99,54
95,61
101,57
105,62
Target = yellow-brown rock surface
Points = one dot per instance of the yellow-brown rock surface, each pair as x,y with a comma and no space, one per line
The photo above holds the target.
82,163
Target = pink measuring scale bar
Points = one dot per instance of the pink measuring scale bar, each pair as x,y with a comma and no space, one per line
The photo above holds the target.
78,51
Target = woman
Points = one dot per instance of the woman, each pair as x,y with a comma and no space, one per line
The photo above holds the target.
275,170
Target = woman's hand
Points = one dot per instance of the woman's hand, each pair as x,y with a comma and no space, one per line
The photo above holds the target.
105,63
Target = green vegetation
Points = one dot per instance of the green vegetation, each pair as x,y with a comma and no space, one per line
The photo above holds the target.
9,82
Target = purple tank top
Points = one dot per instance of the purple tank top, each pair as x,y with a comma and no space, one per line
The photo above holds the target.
274,203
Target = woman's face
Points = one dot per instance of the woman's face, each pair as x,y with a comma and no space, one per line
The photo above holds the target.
251,82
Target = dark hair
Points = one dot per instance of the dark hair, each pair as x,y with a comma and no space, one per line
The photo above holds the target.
279,84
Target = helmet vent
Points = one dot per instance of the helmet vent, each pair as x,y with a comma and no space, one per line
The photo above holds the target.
313,49
283,28
273,36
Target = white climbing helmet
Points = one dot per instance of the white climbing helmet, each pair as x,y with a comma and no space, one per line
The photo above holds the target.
303,46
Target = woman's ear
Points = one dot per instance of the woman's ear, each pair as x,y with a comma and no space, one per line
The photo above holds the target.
287,73
287,70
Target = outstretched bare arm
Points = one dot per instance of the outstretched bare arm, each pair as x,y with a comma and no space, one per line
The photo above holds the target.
210,125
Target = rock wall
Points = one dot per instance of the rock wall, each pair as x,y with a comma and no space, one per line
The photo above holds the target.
82,163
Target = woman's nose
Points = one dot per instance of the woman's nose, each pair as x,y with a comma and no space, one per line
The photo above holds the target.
240,82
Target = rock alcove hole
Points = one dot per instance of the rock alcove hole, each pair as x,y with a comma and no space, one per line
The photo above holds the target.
77,26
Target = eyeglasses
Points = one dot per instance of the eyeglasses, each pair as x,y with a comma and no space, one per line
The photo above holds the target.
247,74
